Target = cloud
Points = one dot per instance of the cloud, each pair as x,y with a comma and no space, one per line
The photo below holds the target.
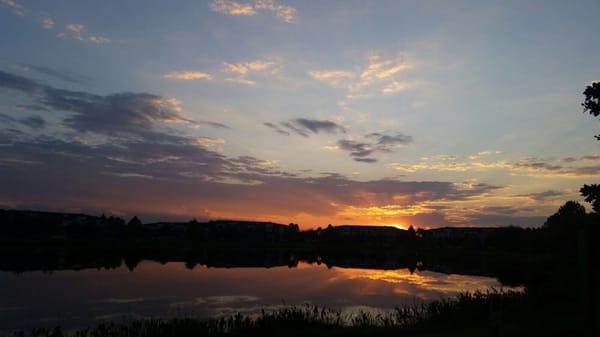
497,220
123,142
379,76
79,32
175,178
243,71
44,20
97,39
116,115
305,127
330,74
525,166
75,28
14,6
241,81
15,82
542,196
365,160
189,75
394,87
230,7
34,122
156,168
287,13
442,167
383,143
31,107
583,158
358,151
381,68
296,129
214,124
538,167
276,128
209,142
62,75
317,126
335,78
47,22
244,68
394,139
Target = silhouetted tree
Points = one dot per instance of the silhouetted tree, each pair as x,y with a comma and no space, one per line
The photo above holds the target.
592,195
135,221
194,230
134,227
592,100
570,214
411,232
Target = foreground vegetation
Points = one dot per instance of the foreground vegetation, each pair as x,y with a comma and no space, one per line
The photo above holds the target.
491,313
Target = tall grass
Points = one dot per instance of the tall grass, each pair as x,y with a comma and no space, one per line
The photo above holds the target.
493,312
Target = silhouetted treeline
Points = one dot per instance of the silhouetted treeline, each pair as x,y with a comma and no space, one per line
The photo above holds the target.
36,225
561,232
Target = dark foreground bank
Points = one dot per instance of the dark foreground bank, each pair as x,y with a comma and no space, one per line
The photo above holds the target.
493,313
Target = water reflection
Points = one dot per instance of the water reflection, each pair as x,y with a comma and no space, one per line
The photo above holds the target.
80,298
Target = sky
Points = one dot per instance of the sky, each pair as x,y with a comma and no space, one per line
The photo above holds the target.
423,113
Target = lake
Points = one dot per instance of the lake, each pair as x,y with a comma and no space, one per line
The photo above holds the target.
80,298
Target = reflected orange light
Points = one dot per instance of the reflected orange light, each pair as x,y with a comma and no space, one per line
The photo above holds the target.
425,285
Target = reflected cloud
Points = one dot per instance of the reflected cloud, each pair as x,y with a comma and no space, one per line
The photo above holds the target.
423,285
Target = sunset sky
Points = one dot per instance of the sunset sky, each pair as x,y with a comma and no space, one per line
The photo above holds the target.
430,113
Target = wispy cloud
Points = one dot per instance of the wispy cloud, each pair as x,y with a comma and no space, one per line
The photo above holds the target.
14,6
336,78
79,32
305,127
544,195
210,143
47,22
230,7
241,80
189,75
286,13
44,20
362,151
34,122
243,72
380,76
581,159
394,87
277,128
62,75
525,166
391,139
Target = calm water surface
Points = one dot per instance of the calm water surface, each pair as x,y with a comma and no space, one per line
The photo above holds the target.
85,297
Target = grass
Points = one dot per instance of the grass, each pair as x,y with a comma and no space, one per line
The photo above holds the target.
490,313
